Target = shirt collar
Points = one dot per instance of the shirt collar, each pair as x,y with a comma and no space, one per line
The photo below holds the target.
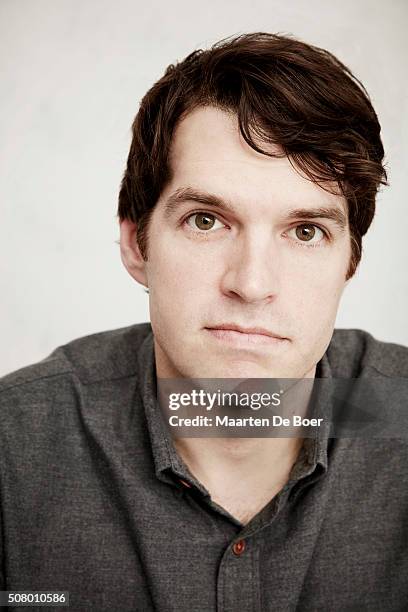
166,459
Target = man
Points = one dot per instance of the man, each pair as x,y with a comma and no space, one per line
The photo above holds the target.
250,182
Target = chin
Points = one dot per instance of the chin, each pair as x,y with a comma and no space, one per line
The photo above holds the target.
240,369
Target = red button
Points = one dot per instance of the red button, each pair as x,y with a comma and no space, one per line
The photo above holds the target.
183,482
239,547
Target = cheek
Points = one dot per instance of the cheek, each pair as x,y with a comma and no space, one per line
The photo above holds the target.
181,286
178,264
181,276
312,292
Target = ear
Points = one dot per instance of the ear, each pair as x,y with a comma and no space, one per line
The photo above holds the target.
130,253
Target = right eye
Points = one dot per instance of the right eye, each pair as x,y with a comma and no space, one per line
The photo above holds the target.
203,221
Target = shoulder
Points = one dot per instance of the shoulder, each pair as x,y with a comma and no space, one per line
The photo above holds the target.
106,355
49,406
354,352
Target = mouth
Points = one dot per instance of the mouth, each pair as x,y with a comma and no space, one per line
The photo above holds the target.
244,336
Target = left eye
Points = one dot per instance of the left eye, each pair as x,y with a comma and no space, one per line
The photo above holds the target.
203,221
306,232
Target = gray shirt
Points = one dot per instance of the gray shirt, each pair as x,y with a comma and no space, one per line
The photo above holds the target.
96,501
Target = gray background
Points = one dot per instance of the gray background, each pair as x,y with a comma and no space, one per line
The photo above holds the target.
72,75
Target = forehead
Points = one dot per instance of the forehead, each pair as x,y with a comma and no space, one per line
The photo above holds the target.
211,135
208,152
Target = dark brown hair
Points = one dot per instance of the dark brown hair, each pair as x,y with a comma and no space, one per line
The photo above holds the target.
284,92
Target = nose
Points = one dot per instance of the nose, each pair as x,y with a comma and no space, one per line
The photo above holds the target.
253,271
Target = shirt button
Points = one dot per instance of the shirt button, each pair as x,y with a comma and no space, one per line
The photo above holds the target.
239,547
185,484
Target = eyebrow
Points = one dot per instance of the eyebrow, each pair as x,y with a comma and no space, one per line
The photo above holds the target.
187,194
322,212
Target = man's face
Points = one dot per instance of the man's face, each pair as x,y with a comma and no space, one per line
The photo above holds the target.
239,239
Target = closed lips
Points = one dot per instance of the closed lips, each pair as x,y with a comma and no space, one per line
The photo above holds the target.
245,330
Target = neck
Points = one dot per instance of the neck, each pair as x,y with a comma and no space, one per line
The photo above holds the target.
241,474
212,458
